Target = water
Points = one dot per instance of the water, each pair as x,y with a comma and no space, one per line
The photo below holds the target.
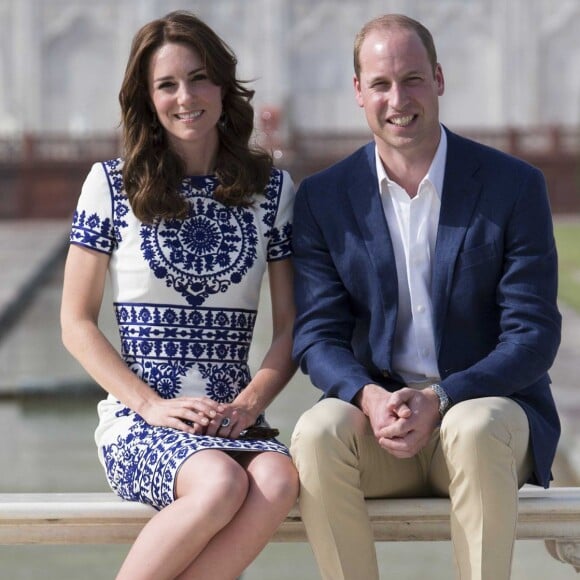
47,446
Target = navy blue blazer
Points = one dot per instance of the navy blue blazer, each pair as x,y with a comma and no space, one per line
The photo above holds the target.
494,284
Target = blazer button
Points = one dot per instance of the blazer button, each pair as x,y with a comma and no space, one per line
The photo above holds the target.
385,373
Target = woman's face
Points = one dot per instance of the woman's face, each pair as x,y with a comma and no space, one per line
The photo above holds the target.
188,104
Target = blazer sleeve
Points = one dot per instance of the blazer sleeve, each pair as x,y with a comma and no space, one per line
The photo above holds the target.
526,298
324,320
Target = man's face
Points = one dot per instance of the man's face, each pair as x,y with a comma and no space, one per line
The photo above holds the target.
399,91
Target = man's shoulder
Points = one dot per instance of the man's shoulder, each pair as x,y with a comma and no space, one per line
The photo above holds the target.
487,155
345,169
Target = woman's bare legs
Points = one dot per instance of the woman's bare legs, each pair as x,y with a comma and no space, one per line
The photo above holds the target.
225,512
210,489
273,491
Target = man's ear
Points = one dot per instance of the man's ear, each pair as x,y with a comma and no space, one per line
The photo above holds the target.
440,79
357,91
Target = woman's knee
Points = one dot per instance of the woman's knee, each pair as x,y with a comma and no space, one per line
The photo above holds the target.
276,477
216,477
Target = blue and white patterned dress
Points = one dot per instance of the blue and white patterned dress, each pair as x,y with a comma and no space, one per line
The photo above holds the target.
185,296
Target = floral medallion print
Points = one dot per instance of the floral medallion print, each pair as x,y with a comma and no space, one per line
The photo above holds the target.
224,382
204,254
164,377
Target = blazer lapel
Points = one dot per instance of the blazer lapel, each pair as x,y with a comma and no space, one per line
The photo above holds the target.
365,199
458,200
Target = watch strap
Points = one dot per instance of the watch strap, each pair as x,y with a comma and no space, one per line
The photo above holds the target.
444,400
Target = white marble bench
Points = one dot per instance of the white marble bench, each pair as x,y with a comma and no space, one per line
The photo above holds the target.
101,518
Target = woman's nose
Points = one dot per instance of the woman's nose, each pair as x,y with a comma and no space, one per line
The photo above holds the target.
185,94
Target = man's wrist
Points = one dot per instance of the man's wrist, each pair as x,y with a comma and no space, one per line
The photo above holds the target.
361,398
444,400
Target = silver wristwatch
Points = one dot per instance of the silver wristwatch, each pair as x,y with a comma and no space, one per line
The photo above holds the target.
444,400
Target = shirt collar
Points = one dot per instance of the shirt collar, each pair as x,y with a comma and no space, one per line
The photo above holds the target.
434,174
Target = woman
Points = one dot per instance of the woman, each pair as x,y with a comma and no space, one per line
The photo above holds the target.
185,238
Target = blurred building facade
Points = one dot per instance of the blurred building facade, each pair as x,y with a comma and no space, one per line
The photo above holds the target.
510,68
507,62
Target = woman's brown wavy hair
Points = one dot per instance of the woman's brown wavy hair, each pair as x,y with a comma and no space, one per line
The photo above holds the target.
152,171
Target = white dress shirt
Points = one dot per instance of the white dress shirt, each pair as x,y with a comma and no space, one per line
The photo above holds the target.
413,227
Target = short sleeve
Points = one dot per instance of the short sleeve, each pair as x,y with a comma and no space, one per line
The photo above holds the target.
92,225
280,233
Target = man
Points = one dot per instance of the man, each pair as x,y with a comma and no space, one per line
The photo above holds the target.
426,282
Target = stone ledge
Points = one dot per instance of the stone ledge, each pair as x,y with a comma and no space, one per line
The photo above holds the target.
102,518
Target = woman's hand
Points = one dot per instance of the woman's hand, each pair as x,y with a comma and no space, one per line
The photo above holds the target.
190,414
231,421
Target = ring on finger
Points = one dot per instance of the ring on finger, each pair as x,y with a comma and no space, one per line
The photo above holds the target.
226,422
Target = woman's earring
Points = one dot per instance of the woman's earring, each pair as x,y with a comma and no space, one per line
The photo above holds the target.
222,121
156,131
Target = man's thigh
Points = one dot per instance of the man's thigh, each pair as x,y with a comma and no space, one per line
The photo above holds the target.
336,422
471,430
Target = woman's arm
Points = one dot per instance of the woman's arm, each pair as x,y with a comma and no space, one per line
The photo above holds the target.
277,368
84,283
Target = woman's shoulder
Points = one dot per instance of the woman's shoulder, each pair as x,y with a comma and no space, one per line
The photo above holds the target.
104,168
280,183
103,186
112,166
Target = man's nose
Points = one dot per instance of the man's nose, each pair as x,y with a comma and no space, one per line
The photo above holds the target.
398,95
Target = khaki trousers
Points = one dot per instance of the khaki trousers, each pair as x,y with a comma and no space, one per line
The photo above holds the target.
479,458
